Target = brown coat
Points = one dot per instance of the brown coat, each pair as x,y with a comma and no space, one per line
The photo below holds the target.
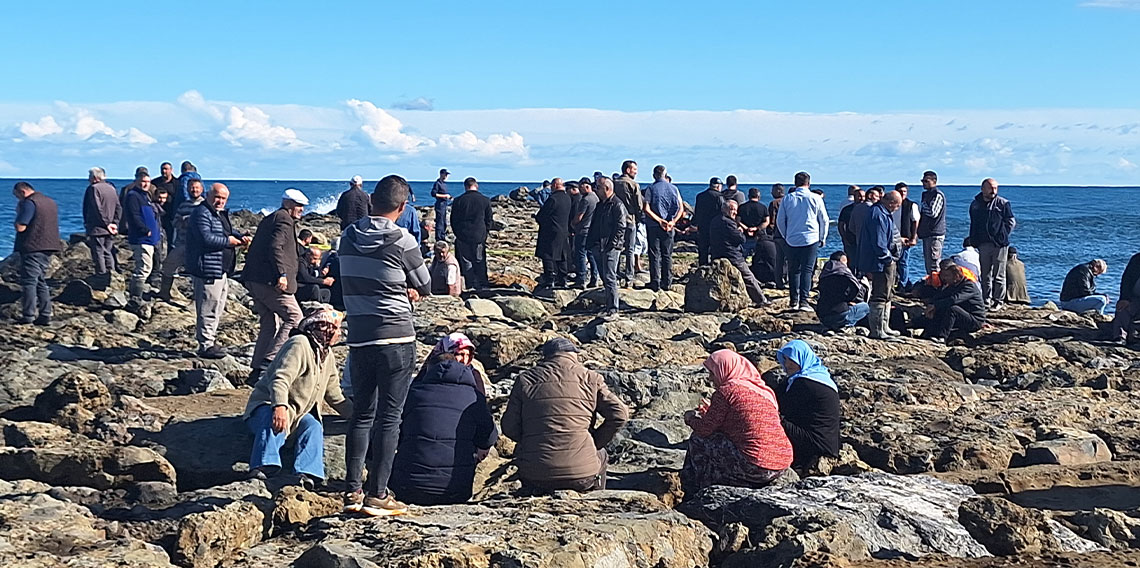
296,381
553,415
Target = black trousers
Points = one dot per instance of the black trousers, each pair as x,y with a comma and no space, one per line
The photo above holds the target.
950,320
660,257
472,259
703,246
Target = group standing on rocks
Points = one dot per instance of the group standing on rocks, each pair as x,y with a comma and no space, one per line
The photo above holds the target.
423,433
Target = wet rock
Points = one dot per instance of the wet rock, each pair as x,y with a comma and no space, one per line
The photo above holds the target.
1066,446
717,287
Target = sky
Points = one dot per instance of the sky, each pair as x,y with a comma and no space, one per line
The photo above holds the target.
1027,91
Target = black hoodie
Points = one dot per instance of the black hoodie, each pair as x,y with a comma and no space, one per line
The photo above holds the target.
837,289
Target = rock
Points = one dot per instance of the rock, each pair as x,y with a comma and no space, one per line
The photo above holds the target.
200,380
33,434
207,539
1066,446
1111,529
295,506
891,515
117,300
523,309
123,320
1006,529
336,554
717,287
76,293
788,539
92,464
499,345
484,308
73,400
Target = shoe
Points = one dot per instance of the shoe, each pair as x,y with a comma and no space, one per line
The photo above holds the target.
353,501
577,286
806,308
42,321
308,483
793,306
212,352
25,321
593,284
385,506
254,375
258,473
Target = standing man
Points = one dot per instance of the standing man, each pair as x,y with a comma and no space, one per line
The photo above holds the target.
844,223
607,239
353,203
270,275
553,235
906,220
663,207
706,210
382,273
210,258
37,238
471,221
166,181
754,216
781,246
182,192
442,197
877,250
803,222
176,255
726,238
629,193
731,192
932,221
584,260
144,234
101,214
991,222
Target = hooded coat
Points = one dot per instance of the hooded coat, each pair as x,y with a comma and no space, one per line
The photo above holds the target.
838,288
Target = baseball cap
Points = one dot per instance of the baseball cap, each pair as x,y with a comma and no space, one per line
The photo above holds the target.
357,180
444,171
558,345
295,196
930,174
714,181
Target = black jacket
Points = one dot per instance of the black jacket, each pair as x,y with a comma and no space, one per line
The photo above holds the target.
1079,282
837,289
607,228
471,217
707,209
991,222
446,420
753,214
273,252
725,238
553,227
353,204
1129,279
811,416
965,294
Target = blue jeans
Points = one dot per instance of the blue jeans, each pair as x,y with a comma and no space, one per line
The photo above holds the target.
36,297
608,266
381,375
903,275
441,219
801,268
1096,302
856,313
582,254
310,454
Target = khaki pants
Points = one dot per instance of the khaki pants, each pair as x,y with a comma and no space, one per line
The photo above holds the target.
209,304
278,314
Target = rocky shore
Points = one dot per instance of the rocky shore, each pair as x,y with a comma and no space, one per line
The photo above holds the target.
1017,447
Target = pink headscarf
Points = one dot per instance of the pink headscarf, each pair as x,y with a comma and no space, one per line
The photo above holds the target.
726,366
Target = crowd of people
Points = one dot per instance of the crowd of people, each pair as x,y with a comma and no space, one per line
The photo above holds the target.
422,433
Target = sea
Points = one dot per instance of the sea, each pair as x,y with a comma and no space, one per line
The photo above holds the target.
1057,227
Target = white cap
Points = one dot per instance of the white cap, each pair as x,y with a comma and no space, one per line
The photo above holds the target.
357,180
295,196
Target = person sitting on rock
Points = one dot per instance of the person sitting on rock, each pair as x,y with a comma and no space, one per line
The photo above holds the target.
464,350
445,277
313,281
446,431
1078,293
1016,285
809,404
725,240
737,436
842,300
286,400
552,415
955,306
1128,305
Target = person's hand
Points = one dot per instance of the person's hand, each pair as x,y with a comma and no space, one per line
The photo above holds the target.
234,241
325,271
113,229
690,415
280,419
327,282
246,240
413,295
282,283
481,454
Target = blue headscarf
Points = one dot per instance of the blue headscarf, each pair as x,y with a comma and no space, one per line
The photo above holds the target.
811,368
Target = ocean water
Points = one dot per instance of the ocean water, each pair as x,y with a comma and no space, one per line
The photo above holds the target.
1057,227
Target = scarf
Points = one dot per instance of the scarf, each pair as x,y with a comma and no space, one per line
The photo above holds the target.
320,327
726,366
811,368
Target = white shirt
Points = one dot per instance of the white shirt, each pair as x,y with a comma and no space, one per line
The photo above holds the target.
802,218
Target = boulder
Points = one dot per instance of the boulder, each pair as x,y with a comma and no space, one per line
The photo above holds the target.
76,293
73,400
1006,529
192,381
717,287
484,308
123,320
523,309
295,506
92,464
208,538
1066,446
1114,530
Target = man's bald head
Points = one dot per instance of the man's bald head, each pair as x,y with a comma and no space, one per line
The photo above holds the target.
219,196
891,200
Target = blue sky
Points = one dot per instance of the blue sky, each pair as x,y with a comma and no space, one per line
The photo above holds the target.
1036,91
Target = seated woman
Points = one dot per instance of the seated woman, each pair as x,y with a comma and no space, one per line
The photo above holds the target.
447,428
286,400
809,404
737,437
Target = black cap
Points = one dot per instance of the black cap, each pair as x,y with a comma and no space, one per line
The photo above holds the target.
444,171
930,174
714,181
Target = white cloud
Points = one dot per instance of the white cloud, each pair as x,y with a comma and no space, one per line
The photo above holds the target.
1124,164
139,138
87,126
386,131
194,100
978,165
1020,169
46,126
494,145
418,103
252,125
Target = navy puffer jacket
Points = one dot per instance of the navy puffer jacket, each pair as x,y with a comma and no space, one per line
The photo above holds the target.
207,239
445,421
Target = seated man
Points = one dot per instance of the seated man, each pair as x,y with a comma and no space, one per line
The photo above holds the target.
1016,284
956,306
286,400
551,415
926,288
842,300
313,282
1078,293
445,276
725,240
1128,306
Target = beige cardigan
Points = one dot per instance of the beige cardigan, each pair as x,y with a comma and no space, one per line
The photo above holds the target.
295,380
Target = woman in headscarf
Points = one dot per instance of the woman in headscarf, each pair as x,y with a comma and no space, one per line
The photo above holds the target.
461,347
737,437
447,429
809,405
286,400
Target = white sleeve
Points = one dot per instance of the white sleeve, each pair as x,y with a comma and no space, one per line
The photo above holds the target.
452,275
